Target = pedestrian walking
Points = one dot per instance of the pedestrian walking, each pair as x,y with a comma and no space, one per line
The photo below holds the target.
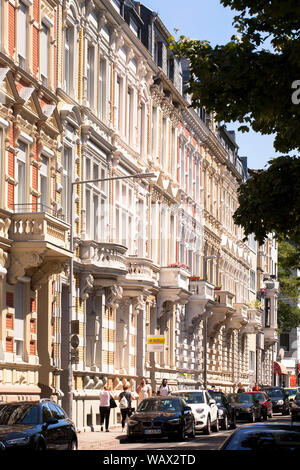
164,389
105,397
143,390
125,399
255,388
240,388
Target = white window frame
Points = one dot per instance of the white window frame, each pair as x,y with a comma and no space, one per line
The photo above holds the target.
44,54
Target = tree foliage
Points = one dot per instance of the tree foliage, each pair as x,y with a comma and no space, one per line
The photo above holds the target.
288,310
250,80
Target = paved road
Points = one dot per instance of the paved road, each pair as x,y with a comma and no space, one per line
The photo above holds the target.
201,442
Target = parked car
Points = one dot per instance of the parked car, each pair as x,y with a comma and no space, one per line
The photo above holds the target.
162,417
267,436
266,402
295,408
204,408
246,406
279,398
37,425
226,413
291,392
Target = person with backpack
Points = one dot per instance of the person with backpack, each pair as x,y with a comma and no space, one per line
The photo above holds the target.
125,399
164,389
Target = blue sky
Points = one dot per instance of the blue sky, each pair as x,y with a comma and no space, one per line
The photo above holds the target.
208,19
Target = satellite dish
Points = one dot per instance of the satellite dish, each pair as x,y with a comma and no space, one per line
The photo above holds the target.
281,354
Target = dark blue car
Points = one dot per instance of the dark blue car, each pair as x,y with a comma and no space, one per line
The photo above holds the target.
37,425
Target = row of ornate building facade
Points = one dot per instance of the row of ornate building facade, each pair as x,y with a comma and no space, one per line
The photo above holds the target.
90,91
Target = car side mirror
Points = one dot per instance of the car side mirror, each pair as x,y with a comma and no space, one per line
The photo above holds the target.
187,408
51,421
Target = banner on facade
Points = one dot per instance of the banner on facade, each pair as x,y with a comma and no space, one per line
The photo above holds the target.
155,343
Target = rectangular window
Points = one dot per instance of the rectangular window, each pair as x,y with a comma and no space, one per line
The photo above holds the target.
158,53
44,45
163,143
252,281
267,312
67,176
153,131
21,176
117,5
90,75
134,27
129,115
285,341
19,320
44,183
22,34
69,58
251,360
102,90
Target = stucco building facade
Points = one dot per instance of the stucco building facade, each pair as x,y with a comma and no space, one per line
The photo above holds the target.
151,257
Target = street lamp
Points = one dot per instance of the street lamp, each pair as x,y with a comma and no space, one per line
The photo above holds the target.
71,297
205,258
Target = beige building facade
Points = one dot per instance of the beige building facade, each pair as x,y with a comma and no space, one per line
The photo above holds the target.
157,257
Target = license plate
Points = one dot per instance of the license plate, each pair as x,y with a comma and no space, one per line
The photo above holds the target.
152,431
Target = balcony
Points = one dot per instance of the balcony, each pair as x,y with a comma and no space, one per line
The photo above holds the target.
270,336
254,321
174,277
173,287
107,259
239,318
202,297
141,272
40,244
43,225
222,311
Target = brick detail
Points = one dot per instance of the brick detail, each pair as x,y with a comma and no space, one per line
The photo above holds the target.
35,51
9,322
32,348
11,30
9,345
10,299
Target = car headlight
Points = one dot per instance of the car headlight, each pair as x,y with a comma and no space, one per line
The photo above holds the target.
199,410
18,441
280,402
132,422
174,421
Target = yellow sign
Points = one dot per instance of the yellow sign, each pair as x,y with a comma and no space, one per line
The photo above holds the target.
155,343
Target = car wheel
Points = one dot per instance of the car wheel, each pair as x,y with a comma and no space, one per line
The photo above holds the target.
192,434
40,446
225,422
216,426
207,429
181,434
73,445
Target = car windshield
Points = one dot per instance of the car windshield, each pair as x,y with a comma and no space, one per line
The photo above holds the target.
275,394
191,397
243,398
259,396
166,405
217,396
268,439
290,391
19,414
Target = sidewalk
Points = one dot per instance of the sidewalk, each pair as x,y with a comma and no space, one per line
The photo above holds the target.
98,440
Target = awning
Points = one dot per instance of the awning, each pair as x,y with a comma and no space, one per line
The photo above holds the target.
279,368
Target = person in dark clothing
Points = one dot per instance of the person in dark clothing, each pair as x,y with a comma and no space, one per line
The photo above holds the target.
125,399
240,388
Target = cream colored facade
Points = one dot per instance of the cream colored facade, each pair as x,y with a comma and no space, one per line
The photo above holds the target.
151,257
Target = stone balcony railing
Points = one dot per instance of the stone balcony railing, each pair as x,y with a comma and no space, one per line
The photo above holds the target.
270,336
176,277
142,271
239,318
202,289
107,258
255,318
224,297
39,227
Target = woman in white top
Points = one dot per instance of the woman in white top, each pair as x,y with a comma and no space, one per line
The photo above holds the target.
143,390
105,397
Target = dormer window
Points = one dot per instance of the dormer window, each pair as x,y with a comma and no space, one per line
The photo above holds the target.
134,27
117,5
